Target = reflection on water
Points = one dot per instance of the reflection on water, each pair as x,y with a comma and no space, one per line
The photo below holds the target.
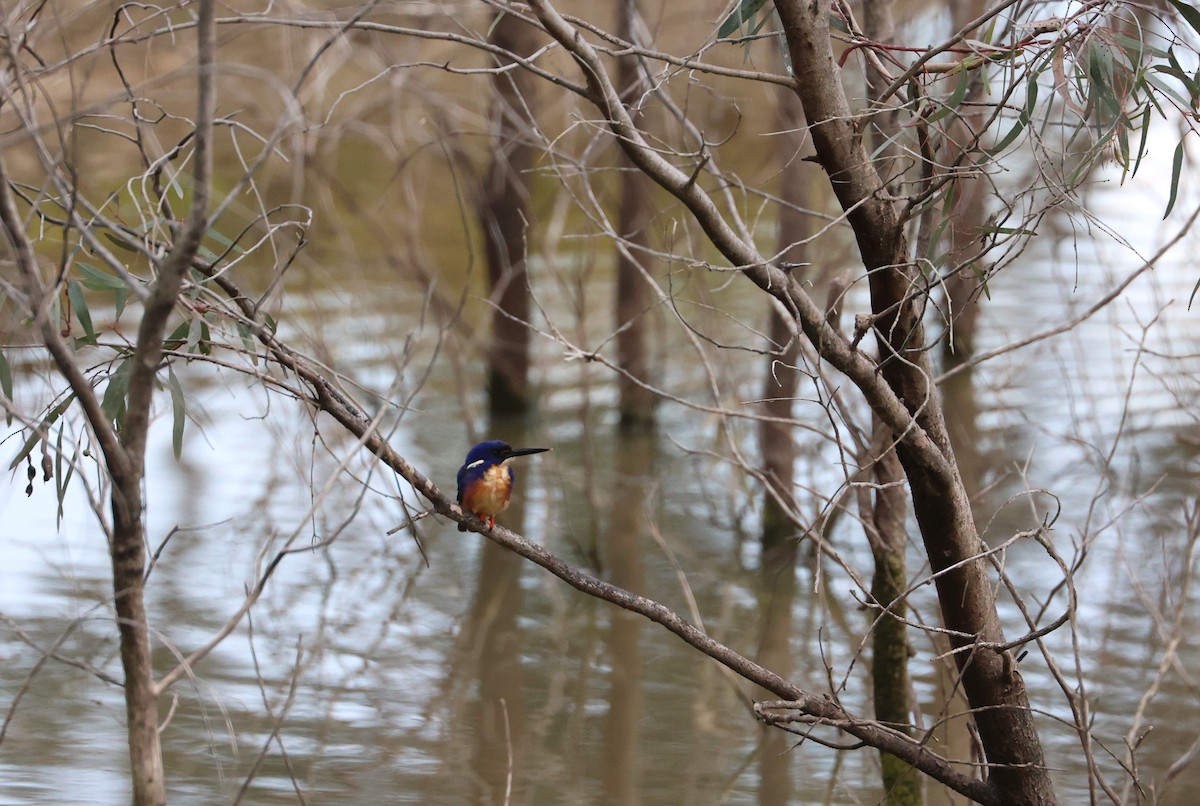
368,674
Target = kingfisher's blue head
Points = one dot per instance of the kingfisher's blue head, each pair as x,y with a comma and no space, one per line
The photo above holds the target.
485,480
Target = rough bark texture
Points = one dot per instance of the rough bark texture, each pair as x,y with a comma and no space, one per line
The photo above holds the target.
141,697
504,218
889,647
994,687
889,639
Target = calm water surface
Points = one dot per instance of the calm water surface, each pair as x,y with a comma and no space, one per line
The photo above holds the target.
375,670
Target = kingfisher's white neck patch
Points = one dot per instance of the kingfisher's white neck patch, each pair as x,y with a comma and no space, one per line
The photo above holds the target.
476,463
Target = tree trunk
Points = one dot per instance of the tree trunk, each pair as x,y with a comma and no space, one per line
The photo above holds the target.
636,402
780,380
993,685
504,219
963,283
885,515
124,450
889,640
780,542
141,698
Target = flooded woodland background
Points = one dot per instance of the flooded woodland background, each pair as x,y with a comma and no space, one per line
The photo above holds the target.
431,666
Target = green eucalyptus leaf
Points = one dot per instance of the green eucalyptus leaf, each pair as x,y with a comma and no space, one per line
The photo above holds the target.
1189,12
194,333
226,242
79,303
1141,149
739,17
62,478
244,331
113,401
1176,169
205,345
956,97
208,255
6,384
97,280
1165,88
120,243
1022,119
41,428
179,412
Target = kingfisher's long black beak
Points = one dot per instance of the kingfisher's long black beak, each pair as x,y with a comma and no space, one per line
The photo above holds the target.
525,451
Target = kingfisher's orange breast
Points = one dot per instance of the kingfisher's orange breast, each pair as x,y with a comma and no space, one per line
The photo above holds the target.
489,495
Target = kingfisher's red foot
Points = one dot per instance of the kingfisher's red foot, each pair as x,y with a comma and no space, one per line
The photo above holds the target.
491,522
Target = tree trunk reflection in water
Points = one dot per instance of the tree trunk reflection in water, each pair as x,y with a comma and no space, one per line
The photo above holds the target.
624,564
496,640
490,653
780,539
953,736
777,594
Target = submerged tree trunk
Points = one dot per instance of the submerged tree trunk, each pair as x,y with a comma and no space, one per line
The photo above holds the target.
780,542
964,282
780,380
504,219
636,402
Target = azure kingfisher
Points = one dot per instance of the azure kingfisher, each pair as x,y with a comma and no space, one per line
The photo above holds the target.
485,481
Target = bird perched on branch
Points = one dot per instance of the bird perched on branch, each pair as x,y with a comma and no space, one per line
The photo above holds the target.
485,481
